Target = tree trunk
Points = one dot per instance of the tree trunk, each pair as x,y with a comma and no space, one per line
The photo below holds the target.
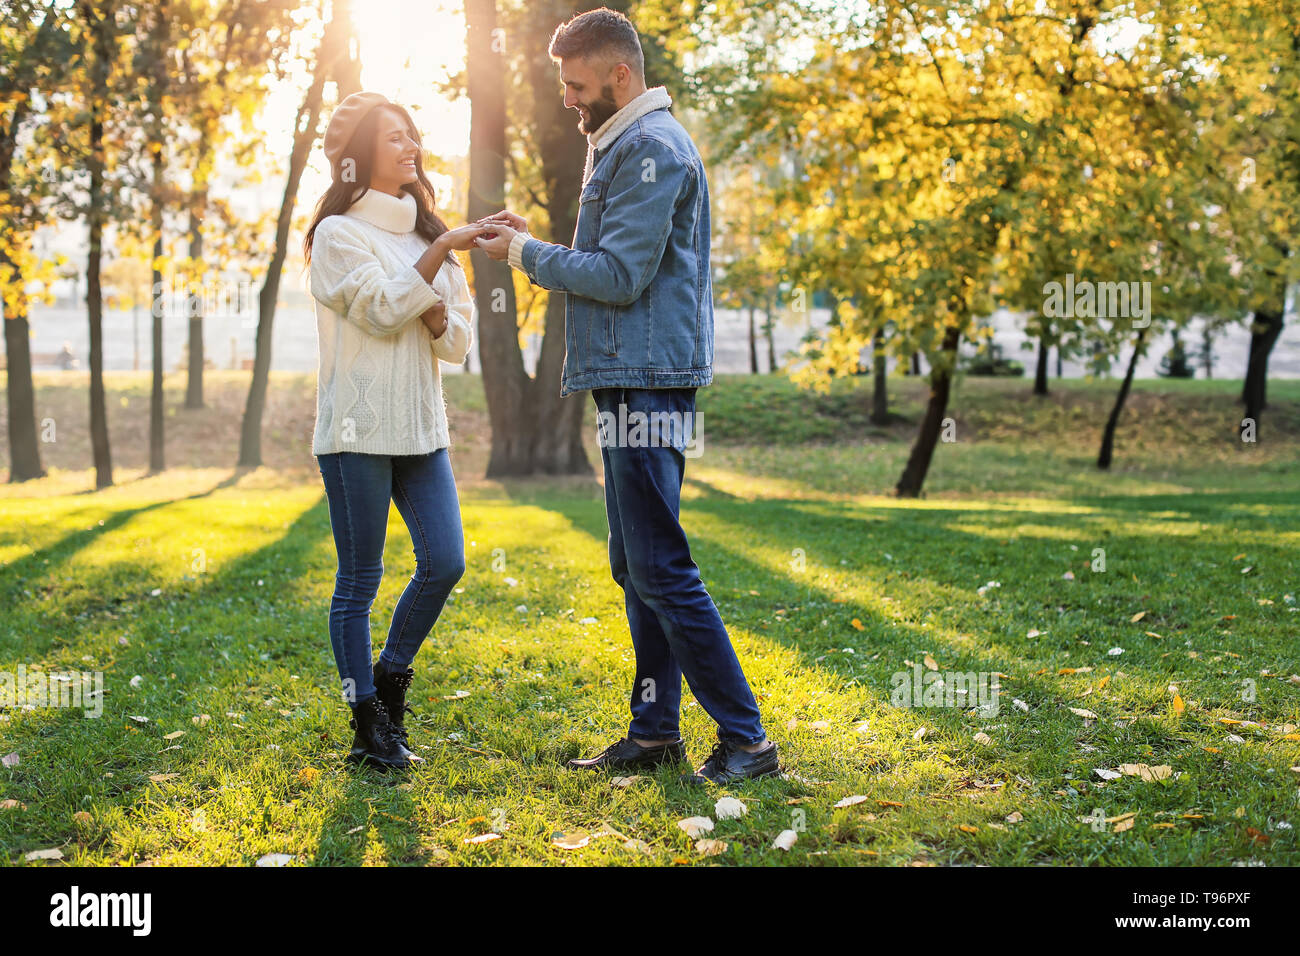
556,422
1060,363
1108,436
918,463
533,429
1266,329
753,344
333,45
1040,373
156,462
24,448
769,332
505,381
103,51
157,91
916,363
879,385
194,374
347,65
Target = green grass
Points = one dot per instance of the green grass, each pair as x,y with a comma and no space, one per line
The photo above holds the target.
750,409
828,590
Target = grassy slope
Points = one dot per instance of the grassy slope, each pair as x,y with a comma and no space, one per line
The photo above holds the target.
793,551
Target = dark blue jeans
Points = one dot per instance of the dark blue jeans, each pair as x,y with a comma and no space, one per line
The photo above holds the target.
676,628
359,487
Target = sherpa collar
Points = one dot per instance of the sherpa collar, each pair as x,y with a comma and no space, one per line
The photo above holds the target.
655,98
385,211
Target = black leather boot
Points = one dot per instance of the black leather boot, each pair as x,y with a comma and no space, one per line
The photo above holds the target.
376,741
391,687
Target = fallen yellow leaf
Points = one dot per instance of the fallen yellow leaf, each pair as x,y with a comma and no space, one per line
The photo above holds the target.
1147,773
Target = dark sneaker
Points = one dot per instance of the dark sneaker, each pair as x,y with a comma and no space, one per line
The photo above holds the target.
728,764
627,754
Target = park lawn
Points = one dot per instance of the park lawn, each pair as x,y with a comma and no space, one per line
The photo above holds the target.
828,589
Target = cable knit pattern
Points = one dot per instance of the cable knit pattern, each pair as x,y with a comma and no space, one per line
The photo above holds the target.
379,387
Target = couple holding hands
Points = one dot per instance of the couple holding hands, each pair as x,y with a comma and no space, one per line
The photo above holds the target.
392,299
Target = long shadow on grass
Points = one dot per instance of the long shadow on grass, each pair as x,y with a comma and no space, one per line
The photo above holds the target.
893,641
1219,505
777,589
43,561
235,653
924,542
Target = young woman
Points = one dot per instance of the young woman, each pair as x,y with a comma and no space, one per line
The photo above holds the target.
391,300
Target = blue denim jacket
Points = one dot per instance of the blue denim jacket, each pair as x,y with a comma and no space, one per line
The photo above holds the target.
639,309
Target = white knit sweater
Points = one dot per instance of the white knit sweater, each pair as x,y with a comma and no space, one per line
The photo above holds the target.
379,389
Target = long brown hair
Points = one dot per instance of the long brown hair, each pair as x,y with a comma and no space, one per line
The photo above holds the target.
361,150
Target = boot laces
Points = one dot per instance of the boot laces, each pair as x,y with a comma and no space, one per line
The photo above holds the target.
384,729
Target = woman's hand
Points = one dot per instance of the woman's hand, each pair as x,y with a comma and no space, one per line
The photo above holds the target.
462,238
435,319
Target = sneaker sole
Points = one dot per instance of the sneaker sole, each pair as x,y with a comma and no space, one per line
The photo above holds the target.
610,768
699,779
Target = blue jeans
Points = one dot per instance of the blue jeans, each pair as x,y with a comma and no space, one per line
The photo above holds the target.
359,487
676,628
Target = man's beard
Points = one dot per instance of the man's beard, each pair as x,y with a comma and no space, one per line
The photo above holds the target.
599,111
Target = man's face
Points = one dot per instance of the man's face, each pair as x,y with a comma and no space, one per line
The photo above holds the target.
588,88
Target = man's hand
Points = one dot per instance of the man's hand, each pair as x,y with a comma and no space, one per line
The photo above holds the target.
507,218
435,319
497,247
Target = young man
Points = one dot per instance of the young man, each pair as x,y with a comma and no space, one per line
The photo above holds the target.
639,335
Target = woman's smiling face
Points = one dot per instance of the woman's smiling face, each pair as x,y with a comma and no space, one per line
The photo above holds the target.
397,153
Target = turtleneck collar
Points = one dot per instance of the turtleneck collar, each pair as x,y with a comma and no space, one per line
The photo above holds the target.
655,98
385,211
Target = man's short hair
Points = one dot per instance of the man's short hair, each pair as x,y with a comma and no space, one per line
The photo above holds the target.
600,35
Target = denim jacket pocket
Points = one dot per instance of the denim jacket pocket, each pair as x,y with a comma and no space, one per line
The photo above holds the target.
591,206
598,321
